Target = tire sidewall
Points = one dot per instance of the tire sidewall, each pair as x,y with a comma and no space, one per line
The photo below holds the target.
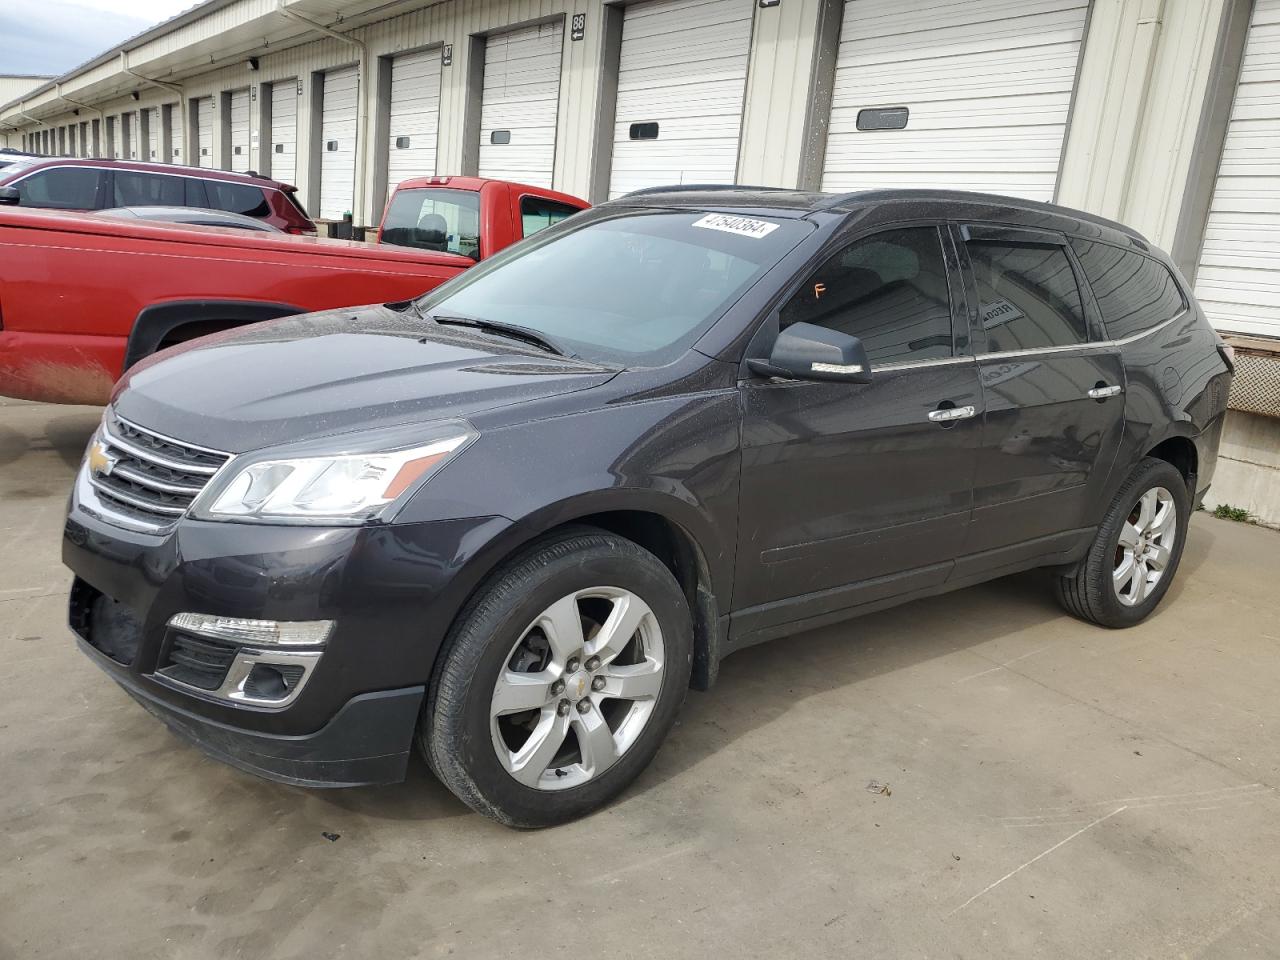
1150,473
460,725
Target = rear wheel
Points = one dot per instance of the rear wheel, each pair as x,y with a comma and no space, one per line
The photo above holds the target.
559,681
1135,552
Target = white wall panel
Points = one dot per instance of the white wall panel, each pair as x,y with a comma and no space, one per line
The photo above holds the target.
204,132
338,128
283,143
239,129
414,117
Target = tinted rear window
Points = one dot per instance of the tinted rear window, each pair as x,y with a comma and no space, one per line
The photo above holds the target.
1134,293
237,198
1028,297
446,221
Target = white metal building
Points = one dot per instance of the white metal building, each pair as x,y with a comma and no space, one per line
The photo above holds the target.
1164,114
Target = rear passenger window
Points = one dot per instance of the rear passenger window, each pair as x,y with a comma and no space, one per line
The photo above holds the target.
237,198
888,290
538,214
134,189
1134,293
61,188
1027,296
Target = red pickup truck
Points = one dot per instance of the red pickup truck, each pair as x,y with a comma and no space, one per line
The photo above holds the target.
83,297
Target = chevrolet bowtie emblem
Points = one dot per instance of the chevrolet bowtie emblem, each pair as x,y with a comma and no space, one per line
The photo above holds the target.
101,463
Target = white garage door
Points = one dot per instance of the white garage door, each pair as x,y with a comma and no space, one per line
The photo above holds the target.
681,78
986,84
240,130
520,103
338,143
175,133
415,116
152,119
284,131
1238,280
204,131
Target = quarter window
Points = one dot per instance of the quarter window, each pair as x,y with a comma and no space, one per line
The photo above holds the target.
61,188
1027,296
1134,293
888,290
538,214
237,198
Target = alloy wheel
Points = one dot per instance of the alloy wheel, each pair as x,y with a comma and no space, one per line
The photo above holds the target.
1145,547
577,688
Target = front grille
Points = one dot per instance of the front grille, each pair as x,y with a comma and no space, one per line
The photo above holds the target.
149,477
198,661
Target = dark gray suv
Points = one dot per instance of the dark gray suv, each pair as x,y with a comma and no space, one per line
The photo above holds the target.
513,521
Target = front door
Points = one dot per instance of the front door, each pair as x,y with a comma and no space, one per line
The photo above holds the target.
853,493
1053,391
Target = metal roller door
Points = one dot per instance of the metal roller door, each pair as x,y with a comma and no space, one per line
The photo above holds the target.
204,131
415,116
284,130
520,103
1238,279
175,133
681,80
338,143
986,85
239,130
152,120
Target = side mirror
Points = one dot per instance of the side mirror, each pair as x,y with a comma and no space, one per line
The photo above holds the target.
10,196
805,351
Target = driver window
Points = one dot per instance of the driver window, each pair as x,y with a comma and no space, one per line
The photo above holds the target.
889,290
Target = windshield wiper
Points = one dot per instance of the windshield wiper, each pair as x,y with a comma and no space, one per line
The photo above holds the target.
512,330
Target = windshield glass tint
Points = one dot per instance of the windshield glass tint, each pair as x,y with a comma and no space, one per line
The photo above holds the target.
446,221
635,289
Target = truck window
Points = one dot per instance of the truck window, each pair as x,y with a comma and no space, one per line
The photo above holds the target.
537,213
447,221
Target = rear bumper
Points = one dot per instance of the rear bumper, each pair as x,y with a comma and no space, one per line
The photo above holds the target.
367,742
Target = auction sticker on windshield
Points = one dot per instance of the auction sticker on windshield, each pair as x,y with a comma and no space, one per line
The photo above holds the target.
742,226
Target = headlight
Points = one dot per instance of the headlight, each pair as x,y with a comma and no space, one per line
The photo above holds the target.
349,487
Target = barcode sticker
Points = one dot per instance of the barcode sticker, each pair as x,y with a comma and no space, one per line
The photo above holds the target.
742,226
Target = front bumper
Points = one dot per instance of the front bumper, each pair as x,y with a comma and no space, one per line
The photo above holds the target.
391,590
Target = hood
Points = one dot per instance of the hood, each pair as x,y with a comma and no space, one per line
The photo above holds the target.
337,372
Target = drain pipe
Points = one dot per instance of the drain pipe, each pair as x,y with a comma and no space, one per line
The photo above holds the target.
362,92
102,118
177,88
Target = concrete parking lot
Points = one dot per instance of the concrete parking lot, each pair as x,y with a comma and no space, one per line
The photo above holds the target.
970,776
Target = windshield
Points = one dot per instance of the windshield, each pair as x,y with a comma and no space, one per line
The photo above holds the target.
447,221
634,288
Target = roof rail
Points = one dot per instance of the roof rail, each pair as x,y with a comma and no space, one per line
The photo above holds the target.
691,187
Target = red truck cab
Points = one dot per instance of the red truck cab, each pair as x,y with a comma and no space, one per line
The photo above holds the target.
470,216
84,297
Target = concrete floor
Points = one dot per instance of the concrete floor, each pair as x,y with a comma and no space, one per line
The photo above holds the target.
1055,790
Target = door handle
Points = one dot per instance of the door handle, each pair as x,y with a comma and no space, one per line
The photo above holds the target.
1101,392
947,414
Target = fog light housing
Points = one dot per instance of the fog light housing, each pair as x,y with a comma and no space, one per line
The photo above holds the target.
271,633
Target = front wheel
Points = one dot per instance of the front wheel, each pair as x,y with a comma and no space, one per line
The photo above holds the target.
559,681
1135,552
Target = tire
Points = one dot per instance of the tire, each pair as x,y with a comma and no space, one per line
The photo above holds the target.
519,627
1106,588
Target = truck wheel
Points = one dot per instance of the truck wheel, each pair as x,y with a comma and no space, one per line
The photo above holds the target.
1135,552
559,680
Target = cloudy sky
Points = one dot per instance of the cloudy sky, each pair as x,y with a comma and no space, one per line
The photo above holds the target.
52,36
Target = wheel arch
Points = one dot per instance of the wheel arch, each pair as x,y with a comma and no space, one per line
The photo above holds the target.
157,322
659,524
1179,451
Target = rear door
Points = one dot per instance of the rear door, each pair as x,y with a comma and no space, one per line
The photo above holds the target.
853,493
1052,390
